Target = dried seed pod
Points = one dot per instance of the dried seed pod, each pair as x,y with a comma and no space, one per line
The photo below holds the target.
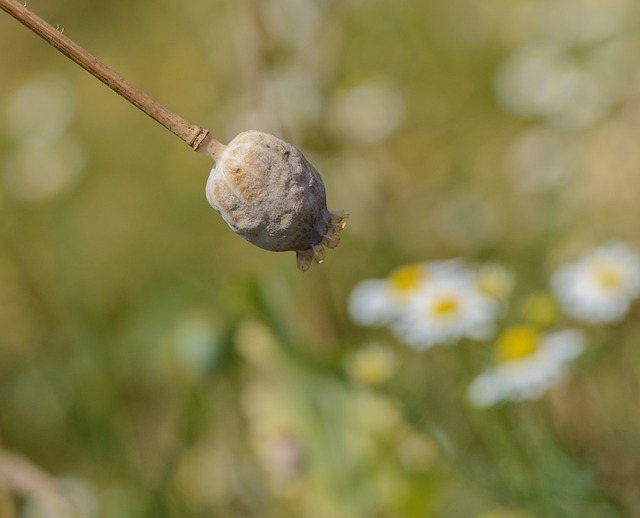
268,192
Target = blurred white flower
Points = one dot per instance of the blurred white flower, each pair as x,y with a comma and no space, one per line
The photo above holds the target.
433,302
540,159
600,286
527,364
292,23
544,80
377,302
536,79
368,113
41,169
43,107
192,347
294,95
446,309
290,100
580,22
567,23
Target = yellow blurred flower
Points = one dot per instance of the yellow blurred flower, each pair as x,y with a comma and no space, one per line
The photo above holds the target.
516,343
373,364
417,451
540,309
495,280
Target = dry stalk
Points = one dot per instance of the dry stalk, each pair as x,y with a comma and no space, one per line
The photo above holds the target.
20,477
263,187
198,138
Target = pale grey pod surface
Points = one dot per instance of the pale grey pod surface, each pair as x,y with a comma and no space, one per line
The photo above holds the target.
268,192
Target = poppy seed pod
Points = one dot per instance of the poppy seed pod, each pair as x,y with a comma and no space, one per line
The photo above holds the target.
267,191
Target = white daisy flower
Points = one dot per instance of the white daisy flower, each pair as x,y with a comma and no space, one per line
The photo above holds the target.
377,302
600,286
448,308
527,364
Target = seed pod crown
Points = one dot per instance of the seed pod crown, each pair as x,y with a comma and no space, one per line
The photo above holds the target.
267,191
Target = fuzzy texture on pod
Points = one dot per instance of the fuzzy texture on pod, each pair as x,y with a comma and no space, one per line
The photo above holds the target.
268,192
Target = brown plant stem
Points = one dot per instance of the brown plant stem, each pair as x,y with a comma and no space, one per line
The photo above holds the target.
21,477
198,138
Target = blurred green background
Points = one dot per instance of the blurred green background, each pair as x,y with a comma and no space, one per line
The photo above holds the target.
155,364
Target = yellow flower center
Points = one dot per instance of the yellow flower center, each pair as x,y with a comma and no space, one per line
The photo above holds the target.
407,279
446,307
608,278
516,343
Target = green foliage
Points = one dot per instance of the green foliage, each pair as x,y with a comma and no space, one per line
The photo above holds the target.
156,365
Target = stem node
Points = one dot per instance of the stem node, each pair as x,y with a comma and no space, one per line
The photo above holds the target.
195,136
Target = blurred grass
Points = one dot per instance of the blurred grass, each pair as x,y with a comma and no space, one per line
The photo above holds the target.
176,370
